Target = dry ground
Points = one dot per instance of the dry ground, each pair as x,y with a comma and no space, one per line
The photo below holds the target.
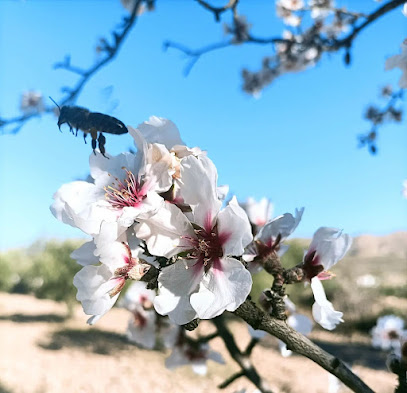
41,352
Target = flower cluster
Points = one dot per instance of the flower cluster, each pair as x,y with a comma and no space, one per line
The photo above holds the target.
157,209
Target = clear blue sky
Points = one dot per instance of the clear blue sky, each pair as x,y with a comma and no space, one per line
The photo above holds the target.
296,145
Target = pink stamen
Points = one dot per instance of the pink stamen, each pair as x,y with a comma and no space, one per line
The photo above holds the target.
128,194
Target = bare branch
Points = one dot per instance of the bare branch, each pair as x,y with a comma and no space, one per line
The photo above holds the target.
242,360
218,11
72,94
296,342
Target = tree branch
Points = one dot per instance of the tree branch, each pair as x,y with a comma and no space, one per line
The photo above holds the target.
296,342
110,50
218,11
242,360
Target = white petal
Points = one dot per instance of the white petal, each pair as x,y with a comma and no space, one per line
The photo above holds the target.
113,255
176,283
93,284
164,230
199,367
142,334
223,192
322,310
84,255
199,190
233,225
331,245
160,130
225,286
283,225
136,294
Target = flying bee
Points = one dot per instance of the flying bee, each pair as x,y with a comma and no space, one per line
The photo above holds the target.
92,123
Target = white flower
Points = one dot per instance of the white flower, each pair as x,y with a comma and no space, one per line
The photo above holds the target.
196,356
31,102
271,236
323,310
399,61
205,281
387,333
404,10
328,246
99,286
122,191
320,8
258,212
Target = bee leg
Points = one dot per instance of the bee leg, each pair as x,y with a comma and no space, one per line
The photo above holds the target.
101,144
84,137
76,134
94,136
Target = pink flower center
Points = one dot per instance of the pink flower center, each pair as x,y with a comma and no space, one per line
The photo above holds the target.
312,266
207,246
129,193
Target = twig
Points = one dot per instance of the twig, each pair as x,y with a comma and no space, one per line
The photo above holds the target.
218,11
231,379
242,360
296,342
72,94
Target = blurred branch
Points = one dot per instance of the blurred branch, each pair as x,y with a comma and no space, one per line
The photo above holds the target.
71,94
218,11
379,116
296,342
247,368
325,44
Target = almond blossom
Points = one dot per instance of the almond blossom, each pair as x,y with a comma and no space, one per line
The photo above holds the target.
191,353
387,333
270,237
258,212
146,328
328,246
99,286
399,61
205,280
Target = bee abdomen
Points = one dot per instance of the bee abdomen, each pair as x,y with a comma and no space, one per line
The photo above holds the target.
107,124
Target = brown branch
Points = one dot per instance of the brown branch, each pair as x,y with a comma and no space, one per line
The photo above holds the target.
325,44
231,379
72,94
296,342
242,360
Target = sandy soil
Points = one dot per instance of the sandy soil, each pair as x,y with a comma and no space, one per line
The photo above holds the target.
41,352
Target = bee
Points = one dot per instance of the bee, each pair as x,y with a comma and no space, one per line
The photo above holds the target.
92,123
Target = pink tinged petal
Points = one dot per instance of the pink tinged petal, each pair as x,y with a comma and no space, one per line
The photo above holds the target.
84,255
149,206
94,284
283,225
234,229
141,328
322,310
165,232
136,295
113,255
224,287
105,171
199,190
160,130
176,283
330,246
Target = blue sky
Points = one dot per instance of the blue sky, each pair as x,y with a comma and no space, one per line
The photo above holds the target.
296,144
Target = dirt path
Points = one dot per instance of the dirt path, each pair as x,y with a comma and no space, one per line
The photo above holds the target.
41,352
